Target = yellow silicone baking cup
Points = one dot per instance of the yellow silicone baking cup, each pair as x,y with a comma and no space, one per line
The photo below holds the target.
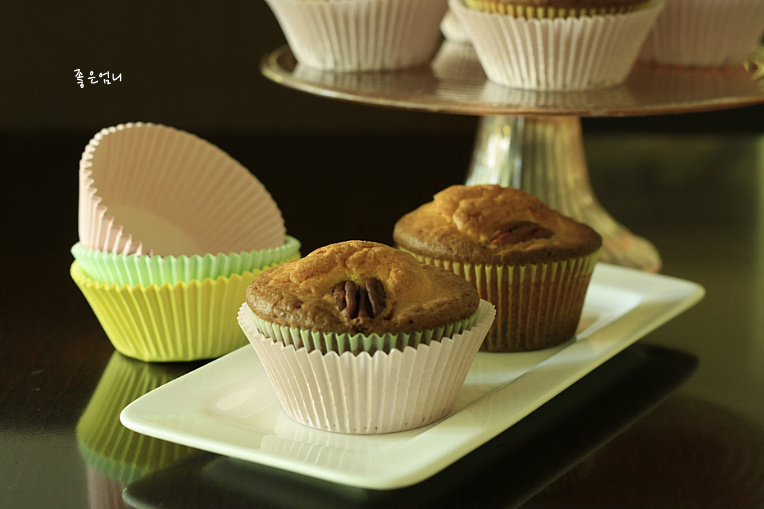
109,447
169,323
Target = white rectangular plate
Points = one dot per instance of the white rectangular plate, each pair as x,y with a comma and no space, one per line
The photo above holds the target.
228,406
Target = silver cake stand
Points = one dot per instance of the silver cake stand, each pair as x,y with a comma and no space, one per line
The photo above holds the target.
529,139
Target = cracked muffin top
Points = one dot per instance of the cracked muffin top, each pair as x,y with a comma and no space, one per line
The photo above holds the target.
490,224
557,8
360,287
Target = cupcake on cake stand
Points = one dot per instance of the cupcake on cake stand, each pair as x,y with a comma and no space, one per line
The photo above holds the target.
530,139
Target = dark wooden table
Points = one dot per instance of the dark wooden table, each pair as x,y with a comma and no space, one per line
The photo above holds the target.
675,421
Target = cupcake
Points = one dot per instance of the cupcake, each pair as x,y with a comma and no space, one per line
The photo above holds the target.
557,44
555,8
361,338
705,33
360,35
531,262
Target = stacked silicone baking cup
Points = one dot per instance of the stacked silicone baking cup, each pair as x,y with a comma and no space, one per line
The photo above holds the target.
171,232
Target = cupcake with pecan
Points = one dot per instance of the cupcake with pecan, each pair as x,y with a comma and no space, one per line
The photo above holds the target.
359,337
533,263
557,44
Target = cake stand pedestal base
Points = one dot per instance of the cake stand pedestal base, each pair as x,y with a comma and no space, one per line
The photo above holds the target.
544,155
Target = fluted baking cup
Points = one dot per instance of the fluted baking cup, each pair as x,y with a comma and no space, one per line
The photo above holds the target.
181,322
96,228
151,189
360,35
369,394
109,447
705,33
452,30
357,343
157,270
537,306
575,53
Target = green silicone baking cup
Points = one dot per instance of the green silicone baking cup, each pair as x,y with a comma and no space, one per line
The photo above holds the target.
357,343
146,270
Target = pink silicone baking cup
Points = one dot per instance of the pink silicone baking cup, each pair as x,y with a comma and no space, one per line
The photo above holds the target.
369,394
151,189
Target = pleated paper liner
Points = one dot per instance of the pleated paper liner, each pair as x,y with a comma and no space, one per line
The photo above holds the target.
369,394
705,33
357,343
158,270
571,53
169,323
360,35
107,446
97,229
452,29
173,194
537,306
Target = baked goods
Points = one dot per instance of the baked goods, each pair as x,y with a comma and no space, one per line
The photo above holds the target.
359,337
555,8
705,33
360,287
533,263
556,44
360,35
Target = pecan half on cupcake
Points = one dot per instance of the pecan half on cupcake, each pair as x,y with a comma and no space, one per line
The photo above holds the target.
360,337
530,261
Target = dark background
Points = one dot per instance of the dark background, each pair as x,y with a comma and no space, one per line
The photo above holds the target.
194,65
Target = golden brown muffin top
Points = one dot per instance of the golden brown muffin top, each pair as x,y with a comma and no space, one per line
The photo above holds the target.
490,224
359,286
577,4
556,8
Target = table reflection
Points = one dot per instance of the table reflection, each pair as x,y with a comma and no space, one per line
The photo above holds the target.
537,453
114,455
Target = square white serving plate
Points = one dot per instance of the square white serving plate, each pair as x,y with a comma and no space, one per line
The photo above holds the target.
229,407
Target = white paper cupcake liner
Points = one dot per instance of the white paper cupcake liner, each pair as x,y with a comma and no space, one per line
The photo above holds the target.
557,54
360,35
148,270
705,33
151,189
537,305
452,29
365,394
